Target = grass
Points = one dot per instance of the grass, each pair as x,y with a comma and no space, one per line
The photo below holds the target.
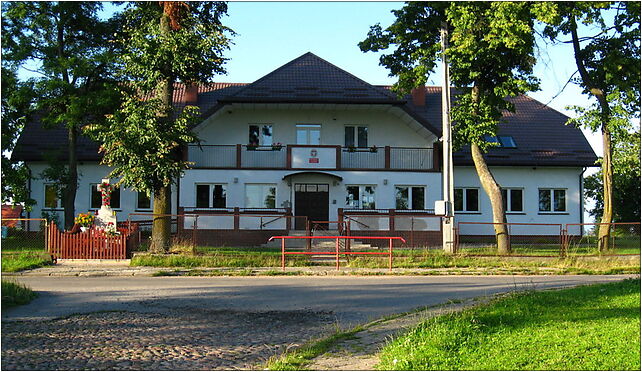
14,294
24,252
586,328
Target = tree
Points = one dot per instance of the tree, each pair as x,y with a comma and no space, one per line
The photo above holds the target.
16,99
162,44
67,44
609,68
491,58
626,180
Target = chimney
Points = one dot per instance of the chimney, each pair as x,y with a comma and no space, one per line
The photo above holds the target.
419,96
190,96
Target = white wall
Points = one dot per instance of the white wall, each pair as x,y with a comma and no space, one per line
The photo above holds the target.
88,173
231,126
531,179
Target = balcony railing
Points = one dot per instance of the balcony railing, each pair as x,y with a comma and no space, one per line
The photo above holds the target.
310,157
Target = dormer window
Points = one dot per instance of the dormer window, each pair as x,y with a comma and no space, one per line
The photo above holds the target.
506,142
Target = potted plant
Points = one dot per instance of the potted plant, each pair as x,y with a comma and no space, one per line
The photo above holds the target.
351,148
85,220
374,148
277,146
252,146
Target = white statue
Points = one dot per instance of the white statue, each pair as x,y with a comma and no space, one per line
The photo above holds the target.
106,218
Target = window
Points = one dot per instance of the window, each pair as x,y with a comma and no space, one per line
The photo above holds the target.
360,197
260,196
466,200
143,201
513,200
308,134
502,141
97,198
410,197
211,196
356,136
52,201
552,200
260,135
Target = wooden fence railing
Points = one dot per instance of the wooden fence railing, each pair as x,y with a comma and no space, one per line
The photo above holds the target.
91,244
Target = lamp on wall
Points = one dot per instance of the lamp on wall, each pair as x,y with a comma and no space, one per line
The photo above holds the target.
385,181
236,180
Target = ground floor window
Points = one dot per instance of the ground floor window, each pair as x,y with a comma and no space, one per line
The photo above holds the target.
410,197
143,200
552,200
52,200
466,200
360,197
260,196
513,200
97,198
211,196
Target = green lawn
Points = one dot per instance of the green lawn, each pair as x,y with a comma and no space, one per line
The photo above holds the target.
14,294
24,252
586,328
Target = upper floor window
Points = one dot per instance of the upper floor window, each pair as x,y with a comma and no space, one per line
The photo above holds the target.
260,135
513,200
308,134
410,197
143,200
211,196
52,201
552,200
360,197
97,199
502,141
260,196
356,136
466,200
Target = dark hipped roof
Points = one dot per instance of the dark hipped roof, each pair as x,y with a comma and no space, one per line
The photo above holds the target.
540,132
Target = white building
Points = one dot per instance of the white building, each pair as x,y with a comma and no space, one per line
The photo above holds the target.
310,139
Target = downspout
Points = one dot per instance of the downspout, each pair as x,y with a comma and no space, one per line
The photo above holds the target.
28,197
582,201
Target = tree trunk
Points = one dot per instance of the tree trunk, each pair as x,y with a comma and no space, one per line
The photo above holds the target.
161,226
494,193
604,235
69,197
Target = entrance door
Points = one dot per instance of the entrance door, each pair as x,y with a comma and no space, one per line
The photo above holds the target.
311,200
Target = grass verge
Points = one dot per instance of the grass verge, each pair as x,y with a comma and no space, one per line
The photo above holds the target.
585,328
14,294
12,262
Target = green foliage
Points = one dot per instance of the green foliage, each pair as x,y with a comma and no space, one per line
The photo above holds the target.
16,99
14,294
586,328
490,48
24,261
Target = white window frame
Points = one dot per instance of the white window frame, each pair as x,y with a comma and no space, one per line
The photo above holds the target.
262,138
464,201
210,199
93,187
44,198
509,200
263,195
552,198
361,195
355,130
307,127
409,187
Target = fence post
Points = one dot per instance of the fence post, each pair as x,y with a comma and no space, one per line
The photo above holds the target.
308,232
390,254
237,218
336,247
283,254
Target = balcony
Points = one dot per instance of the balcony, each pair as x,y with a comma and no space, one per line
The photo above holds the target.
311,157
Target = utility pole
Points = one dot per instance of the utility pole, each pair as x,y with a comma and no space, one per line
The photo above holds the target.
448,221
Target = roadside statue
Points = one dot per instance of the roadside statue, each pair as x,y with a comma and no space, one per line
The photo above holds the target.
106,219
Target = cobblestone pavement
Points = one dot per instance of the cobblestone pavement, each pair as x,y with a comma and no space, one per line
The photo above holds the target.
187,340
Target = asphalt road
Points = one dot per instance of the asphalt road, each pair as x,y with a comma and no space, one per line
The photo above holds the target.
351,299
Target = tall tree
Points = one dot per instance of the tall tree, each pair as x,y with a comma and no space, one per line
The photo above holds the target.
16,100
163,43
608,63
491,58
65,45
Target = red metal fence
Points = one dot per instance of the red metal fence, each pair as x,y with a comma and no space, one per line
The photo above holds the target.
91,244
337,252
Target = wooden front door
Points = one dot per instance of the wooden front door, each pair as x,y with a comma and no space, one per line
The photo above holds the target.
311,200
